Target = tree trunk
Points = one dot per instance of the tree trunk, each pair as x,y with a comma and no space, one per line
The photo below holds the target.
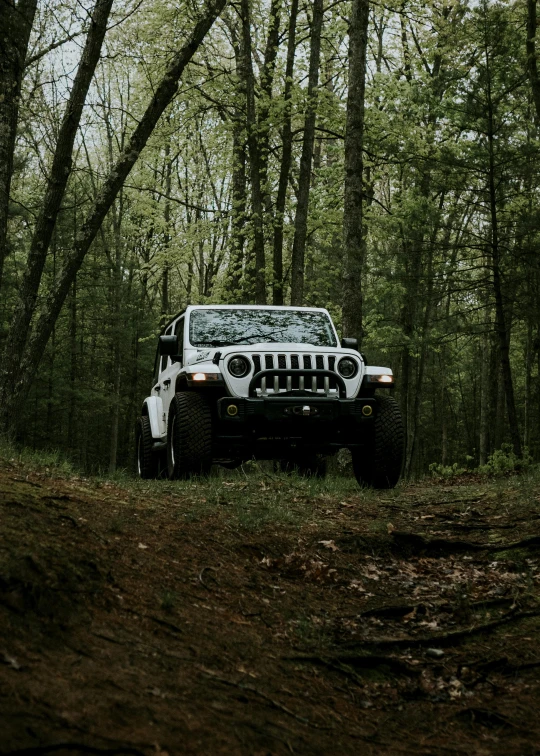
484,401
285,166
304,178
265,97
254,160
16,22
532,66
353,221
238,188
163,95
167,236
56,186
500,319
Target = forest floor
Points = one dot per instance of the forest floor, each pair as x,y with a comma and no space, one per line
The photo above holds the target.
264,615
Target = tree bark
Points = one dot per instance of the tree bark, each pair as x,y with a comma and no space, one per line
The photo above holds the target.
532,66
353,220
56,186
285,166
254,160
238,188
265,97
500,318
163,95
304,178
16,22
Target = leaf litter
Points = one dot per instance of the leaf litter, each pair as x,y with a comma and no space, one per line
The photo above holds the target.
148,619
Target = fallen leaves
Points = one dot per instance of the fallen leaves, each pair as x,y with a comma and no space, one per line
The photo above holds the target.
329,545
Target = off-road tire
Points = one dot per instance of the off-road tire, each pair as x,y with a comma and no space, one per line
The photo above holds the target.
381,467
189,436
307,466
147,460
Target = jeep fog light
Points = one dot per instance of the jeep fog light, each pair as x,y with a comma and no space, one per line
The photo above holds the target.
347,367
367,411
232,410
238,366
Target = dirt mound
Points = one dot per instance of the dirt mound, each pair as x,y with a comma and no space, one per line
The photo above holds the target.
266,615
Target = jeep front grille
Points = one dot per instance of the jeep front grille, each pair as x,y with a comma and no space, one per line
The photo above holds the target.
282,382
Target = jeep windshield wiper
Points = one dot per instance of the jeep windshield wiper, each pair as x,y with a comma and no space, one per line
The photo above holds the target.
241,340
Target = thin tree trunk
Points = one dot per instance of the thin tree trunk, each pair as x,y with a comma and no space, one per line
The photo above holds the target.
265,97
426,324
500,319
254,160
167,236
72,367
117,215
304,178
353,220
285,166
484,401
236,262
238,189
163,95
16,22
532,65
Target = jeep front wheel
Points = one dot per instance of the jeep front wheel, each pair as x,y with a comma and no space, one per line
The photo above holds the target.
147,459
189,436
380,465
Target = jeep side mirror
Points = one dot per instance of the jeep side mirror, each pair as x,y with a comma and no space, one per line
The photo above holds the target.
349,343
168,345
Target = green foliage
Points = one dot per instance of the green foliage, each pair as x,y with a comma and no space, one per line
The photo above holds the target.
172,237
504,461
446,471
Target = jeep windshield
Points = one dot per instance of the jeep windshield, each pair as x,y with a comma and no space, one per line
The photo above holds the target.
215,328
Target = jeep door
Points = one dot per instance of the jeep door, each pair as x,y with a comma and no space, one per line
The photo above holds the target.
169,369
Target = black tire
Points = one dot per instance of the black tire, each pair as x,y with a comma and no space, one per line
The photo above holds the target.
381,467
307,466
146,459
189,436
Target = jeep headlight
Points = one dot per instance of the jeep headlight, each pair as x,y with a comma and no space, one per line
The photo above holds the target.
380,380
239,366
347,368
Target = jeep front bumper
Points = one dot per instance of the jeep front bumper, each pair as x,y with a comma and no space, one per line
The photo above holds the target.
295,410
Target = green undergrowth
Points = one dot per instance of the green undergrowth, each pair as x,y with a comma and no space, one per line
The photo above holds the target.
501,463
49,460
253,496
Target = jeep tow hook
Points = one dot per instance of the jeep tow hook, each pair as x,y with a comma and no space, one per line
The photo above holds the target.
305,410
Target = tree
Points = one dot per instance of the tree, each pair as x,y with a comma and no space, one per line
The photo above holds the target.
353,218
15,379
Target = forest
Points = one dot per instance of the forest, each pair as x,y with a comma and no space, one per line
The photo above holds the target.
379,159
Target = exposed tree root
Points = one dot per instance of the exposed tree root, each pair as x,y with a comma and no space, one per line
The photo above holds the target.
273,702
443,639
457,546
340,662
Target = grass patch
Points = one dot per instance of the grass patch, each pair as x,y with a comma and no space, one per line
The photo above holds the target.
42,460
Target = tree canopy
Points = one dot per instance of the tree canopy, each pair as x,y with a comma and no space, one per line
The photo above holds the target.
380,160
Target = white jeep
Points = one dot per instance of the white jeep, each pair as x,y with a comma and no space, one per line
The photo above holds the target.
236,382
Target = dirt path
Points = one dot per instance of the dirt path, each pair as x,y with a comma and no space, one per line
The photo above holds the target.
261,616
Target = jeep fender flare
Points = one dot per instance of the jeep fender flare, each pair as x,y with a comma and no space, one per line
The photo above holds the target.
153,407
